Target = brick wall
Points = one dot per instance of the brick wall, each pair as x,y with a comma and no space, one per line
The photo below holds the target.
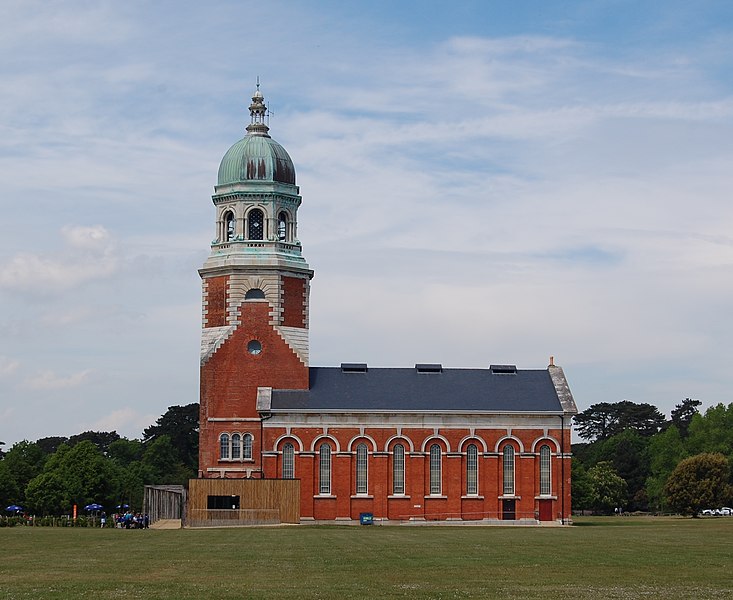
452,503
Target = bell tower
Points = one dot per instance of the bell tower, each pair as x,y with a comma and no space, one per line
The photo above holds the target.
255,289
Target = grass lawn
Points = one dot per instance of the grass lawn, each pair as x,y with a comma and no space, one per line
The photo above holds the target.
613,557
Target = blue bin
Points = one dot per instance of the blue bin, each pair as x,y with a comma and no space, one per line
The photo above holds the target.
366,518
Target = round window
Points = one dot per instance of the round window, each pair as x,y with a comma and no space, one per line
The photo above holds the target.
254,347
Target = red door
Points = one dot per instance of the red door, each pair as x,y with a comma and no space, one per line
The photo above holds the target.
545,510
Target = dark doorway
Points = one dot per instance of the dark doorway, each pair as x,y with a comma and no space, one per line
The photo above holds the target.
508,510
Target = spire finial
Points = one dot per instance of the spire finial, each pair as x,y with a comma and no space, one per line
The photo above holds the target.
257,111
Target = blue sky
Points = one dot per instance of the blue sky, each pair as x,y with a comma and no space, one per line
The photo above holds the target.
483,182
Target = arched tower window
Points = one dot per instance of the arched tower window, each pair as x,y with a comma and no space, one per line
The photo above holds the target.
545,471
508,470
361,469
472,470
324,470
254,294
282,227
256,224
398,469
236,446
436,470
247,446
224,446
288,461
229,224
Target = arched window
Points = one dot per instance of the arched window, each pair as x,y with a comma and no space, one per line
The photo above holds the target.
361,469
545,471
282,227
229,224
236,446
247,446
436,474
254,294
508,470
288,461
224,446
472,470
256,220
324,470
398,469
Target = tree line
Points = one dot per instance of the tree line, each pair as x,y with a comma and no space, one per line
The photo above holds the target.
632,458
637,460
50,475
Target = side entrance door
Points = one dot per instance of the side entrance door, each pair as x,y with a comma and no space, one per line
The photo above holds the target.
508,510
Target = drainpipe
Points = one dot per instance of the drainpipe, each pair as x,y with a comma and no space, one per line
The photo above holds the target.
562,467
263,418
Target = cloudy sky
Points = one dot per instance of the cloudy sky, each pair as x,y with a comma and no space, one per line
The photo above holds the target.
483,182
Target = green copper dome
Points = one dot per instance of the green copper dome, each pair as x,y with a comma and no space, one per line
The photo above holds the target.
256,157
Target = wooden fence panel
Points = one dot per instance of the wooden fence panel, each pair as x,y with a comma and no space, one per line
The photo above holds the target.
261,501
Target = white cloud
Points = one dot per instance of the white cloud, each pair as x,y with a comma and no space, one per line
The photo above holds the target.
126,421
89,255
8,366
48,380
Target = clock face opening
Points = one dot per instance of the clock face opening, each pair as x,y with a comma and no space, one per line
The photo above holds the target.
254,347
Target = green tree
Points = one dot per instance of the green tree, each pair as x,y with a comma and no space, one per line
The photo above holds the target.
666,450
47,495
712,432
698,482
49,445
124,451
683,413
627,452
80,475
608,490
181,425
582,489
25,461
9,490
101,439
164,464
603,420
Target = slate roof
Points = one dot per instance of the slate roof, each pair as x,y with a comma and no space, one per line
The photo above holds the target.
404,389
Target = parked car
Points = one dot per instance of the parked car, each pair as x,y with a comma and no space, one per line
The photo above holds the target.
726,511
709,512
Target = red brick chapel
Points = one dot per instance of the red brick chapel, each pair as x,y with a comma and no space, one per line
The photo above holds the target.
413,443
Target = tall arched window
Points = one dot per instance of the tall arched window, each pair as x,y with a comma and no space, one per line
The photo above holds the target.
436,470
247,446
229,224
288,461
472,470
508,470
224,446
256,224
282,227
324,470
398,469
361,469
545,471
236,446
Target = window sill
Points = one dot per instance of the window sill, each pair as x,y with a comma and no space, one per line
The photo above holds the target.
545,497
398,497
511,497
472,497
236,460
362,497
324,497
435,497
